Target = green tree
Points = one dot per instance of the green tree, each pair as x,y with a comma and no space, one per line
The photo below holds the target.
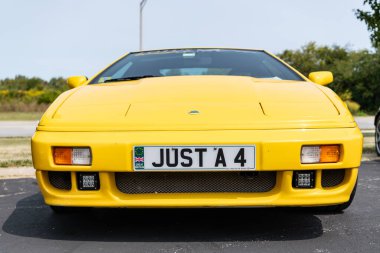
365,79
29,94
356,73
312,57
372,20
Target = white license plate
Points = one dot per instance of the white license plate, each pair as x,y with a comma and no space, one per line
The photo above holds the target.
164,158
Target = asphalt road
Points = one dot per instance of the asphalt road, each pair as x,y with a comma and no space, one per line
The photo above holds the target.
27,225
17,128
27,128
366,123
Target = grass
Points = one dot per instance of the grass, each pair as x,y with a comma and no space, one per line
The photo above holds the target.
15,152
369,134
14,141
360,113
20,115
369,150
16,163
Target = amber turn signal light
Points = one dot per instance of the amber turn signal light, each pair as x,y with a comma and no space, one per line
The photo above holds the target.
330,154
72,155
62,156
320,154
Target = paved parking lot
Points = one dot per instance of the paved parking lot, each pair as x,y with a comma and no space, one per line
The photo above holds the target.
17,128
27,225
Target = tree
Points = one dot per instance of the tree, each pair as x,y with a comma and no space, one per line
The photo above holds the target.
356,73
29,94
372,20
312,57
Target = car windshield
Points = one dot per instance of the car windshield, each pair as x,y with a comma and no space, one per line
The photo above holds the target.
190,62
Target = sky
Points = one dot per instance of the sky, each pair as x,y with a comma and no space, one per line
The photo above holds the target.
52,38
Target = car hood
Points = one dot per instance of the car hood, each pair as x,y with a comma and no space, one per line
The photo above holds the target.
196,103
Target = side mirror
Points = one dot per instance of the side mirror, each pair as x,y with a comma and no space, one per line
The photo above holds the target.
75,81
321,77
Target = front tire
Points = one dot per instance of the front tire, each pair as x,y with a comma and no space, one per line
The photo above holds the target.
377,137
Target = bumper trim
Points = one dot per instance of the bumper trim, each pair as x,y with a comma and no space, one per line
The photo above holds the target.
282,195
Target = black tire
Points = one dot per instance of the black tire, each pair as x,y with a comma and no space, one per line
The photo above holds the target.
338,208
377,137
65,209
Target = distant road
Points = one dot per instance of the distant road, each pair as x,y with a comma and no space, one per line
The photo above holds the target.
17,128
27,128
366,123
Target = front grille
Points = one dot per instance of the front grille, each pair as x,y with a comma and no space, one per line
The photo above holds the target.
194,182
60,180
331,178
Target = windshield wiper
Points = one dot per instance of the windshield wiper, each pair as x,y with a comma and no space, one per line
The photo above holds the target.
128,78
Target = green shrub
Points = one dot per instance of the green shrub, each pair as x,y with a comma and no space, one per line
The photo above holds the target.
356,73
353,106
23,94
47,97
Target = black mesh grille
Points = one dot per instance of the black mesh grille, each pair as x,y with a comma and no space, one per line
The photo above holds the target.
194,182
332,178
60,180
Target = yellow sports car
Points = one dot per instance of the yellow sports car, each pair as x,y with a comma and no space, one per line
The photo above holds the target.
198,128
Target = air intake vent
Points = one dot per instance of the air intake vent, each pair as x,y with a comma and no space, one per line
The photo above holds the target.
195,182
331,178
60,180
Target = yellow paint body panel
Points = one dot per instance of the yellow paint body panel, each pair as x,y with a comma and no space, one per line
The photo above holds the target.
226,102
282,195
277,116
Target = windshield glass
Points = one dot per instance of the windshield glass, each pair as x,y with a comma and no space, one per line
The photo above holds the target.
188,62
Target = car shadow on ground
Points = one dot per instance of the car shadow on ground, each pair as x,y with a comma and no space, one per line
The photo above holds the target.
32,218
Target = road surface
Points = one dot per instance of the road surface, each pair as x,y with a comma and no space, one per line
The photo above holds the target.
366,123
27,225
17,128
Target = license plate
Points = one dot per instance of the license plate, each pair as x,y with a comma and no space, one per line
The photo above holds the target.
179,158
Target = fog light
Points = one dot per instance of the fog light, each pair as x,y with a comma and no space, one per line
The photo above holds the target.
320,154
72,156
303,179
88,181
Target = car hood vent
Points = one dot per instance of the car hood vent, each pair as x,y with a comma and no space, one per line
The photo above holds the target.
197,103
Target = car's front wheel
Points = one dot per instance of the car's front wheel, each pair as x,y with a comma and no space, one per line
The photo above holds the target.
377,137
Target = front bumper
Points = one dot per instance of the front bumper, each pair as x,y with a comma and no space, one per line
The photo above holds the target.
277,150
